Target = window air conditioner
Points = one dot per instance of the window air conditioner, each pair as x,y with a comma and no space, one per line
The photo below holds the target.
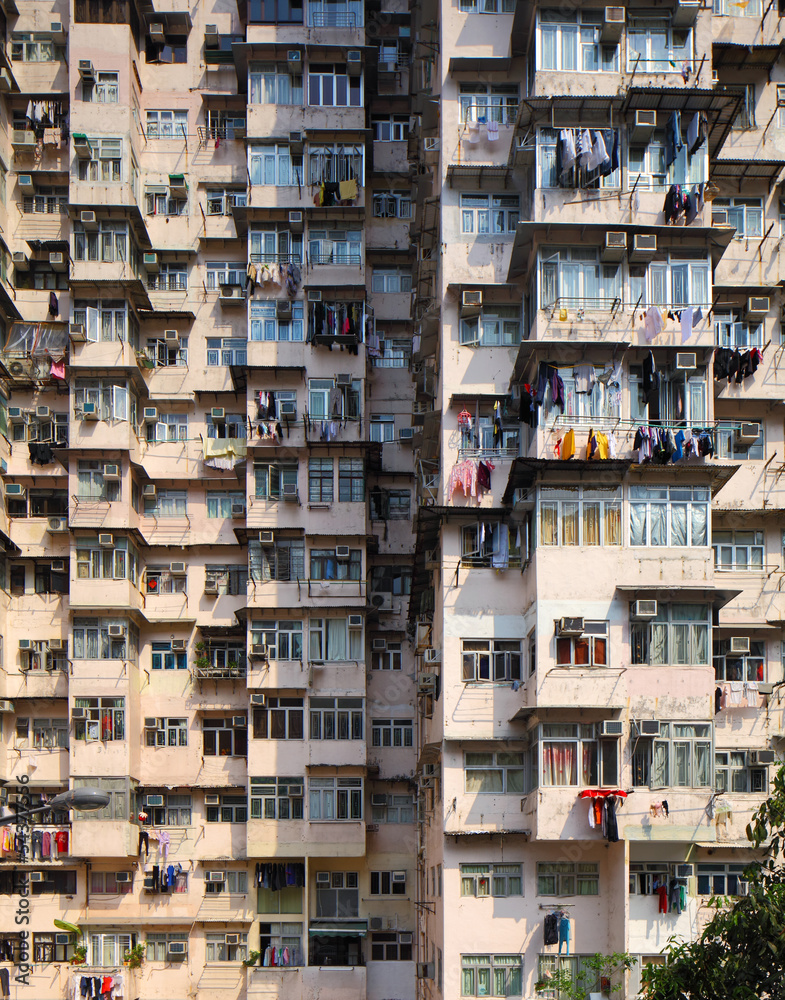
612,728
425,970
296,141
719,217
86,70
267,537
432,655
177,948
89,221
645,123
405,937
471,300
58,566
55,525
294,59
645,609
571,626
37,877
177,568
154,800
405,433
314,295
758,305
156,31
283,308
58,645
647,727
111,472
260,700
686,362
43,412
212,800
426,683
232,938
288,408
739,644
211,588
342,552
322,878
289,491
747,433
215,876
715,78
115,631
212,39
106,541
151,263
343,379
682,870
149,883
380,799
15,490
25,643
760,757
171,336
78,713
644,246
781,95
613,22
240,721
179,645
89,411
399,876
20,261
63,938
5,706
685,13
238,510
17,415
76,332
354,62
615,246
58,262
296,222
150,414
355,621
379,644
218,415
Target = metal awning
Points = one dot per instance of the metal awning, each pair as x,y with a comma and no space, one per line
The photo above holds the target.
332,928
735,627
737,55
487,833
479,64
568,109
721,105
730,845
747,170
719,474
524,472
697,592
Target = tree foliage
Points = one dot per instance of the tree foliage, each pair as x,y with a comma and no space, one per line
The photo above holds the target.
603,973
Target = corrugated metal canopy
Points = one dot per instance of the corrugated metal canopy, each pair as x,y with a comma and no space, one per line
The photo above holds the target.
736,55
479,64
748,169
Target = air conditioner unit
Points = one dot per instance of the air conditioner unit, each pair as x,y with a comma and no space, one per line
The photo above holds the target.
21,263
381,600
379,644
179,645
288,408
719,217
115,631
43,412
747,433
6,706
211,588
15,490
645,123
154,801
78,713
322,878
212,800
231,293
471,303
760,757
355,622
178,184
149,490
82,147
683,870
289,491
90,411
177,948
571,626
215,876
111,472
58,262
26,186
86,70
296,141
17,415
150,414
425,970
240,721
267,537
58,645
283,308
715,78
380,799
150,883
156,32
432,656
238,510
25,643
21,139
644,246
645,609
611,728
399,877
405,433
232,938
343,379
296,222
212,39
781,95
376,923
615,246
647,727
37,877
151,263
260,700
314,295
739,644
89,221
55,525
218,415
354,62
294,60
171,337
758,305
77,333
342,552
612,24
177,568
426,683
765,687
58,566
686,361
405,937
65,938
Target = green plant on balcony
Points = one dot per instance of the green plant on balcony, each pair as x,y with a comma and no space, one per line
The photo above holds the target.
201,663
199,647
233,665
253,959
134,957
79,956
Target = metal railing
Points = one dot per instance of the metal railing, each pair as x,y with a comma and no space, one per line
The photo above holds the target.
333,19
336,258
276,258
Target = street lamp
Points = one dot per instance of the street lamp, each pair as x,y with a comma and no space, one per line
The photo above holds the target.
85,799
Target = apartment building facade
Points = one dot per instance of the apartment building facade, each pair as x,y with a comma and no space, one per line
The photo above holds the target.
596,603
208,516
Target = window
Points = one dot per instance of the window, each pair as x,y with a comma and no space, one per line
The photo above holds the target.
274,84
392,732
226,351
108,949
330,639
103,719
224,273
489,214
174,50
492,880
47,200
220,503
32,48
745,119
391,946
42,503
327,400
231,809
395,580
680,757
722,880
175,811
491,975
335,799
496,326
283,936
336,718
399,809
105,163
746,214
587,650
351,480
669,515
678,634
222,947
50,734
115,788
675,282
172,275
730,332
164,354
482,102
320,480
285,635
47,949
272,479
330,86
574,966
275,166
98,639
90,483
580,515
337,894
391,280
106,320
575,277
390,128
494,773
157,947
221,201
388,658
104,90
681,402
280,719
335,14
167,124
728,444
491,659
390,505
576,176
266,324
564,879
109,244
168,427
729,666
120,561
227,580
222,739
277,798
738,550
167,503
571,755
335,246
275,245
391,353
234,882
646,876
392,205
283,560
167,733
646,164
388,883
163,658
653,46
729,9
570,42
732,774
324,565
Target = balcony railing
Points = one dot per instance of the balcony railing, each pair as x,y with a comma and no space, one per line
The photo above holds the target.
333,19
335,258
276,258
212,672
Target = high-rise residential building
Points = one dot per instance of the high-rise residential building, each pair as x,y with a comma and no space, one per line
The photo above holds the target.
208,498
597,605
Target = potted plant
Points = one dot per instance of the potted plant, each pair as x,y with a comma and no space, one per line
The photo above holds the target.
199,647
233,666
253,959
134,957
201,663
79,956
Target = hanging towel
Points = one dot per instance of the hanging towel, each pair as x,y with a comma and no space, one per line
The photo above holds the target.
347,190
493,131
568,445
599,153
586,147
473,130
686,324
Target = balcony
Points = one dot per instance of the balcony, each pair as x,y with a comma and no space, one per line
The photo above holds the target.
209,672
274,839
102,838
276,675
